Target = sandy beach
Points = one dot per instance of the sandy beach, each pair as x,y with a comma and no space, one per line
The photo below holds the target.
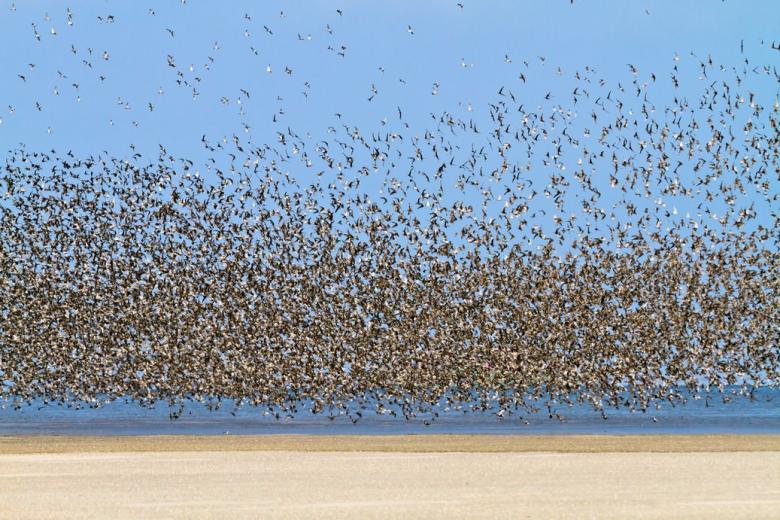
390,477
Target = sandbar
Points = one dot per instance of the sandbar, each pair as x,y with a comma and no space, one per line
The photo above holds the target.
426,476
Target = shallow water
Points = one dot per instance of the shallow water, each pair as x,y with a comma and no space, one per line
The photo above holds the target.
741,415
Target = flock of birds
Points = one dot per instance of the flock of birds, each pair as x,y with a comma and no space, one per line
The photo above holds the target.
617,254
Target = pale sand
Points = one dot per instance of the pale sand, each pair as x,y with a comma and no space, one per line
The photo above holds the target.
390,477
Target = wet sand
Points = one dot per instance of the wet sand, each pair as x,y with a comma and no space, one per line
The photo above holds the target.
392,443
390,477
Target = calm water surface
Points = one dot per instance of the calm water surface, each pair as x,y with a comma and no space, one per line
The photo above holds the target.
741,415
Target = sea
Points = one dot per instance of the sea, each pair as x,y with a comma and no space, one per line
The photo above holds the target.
759,414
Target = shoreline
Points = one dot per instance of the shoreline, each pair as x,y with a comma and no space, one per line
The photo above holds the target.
428,443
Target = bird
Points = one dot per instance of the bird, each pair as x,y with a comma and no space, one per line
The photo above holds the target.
606,241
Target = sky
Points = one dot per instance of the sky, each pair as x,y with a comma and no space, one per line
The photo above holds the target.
111,77
606,35
100,78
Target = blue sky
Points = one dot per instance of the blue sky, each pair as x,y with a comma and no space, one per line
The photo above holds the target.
406,50
605,35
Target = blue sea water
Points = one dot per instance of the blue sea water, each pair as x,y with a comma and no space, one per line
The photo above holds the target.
741,414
